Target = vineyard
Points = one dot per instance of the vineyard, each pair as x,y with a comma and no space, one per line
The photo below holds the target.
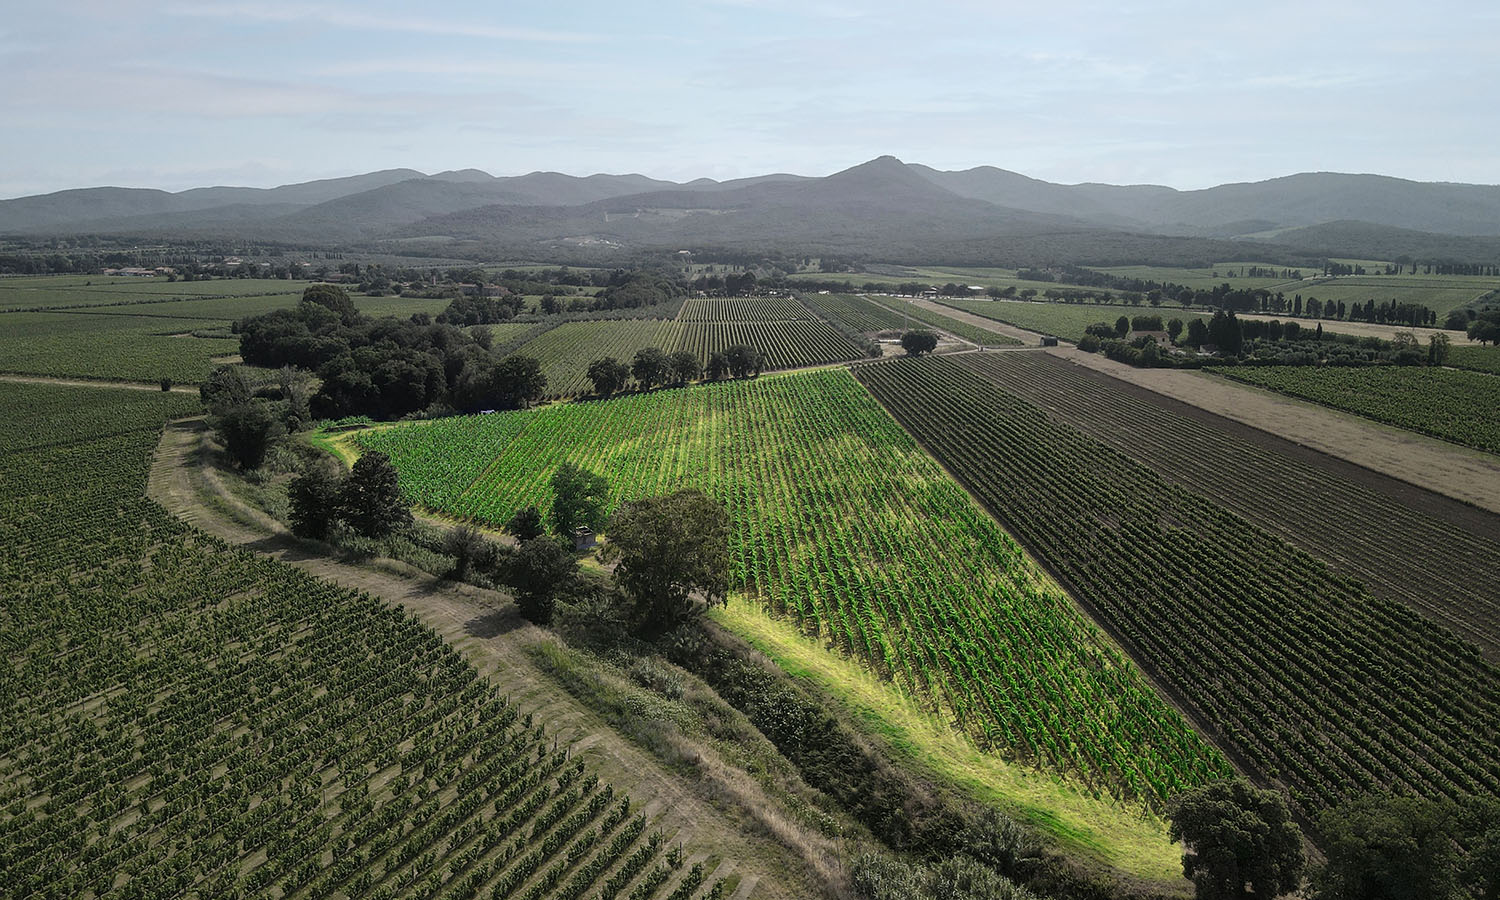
1449,404
1365,530
844,525
1066,320
745,309
1478,358
855,313
566,350
185,718
974,334
1311,680
88,345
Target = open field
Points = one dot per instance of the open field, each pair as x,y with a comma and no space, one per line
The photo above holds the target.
1311,681
1369,329
187,717
843,525
1439,293
1066,320
922,312
1363,525
1450,404
1213,276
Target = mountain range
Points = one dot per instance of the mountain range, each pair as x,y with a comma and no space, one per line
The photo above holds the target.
884,209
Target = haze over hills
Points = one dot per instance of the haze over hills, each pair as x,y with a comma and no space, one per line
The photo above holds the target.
880,208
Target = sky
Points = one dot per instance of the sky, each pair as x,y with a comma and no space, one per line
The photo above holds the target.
174,95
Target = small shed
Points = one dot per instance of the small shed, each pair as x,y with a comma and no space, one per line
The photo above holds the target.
583,539
1049,340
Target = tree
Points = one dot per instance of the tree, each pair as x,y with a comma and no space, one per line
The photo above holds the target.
578,499
1479,820
1122,326
371,500
1388,848
517,381
1174,329
718,366
744,360
537,573
469,549
1225,333
248,429
1437,349
918,341
226,386
1240,841
332,297
526,524
1197,333
609,375
669,548
686,366
314,499
650,367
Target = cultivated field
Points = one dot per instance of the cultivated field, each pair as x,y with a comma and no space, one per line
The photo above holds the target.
1066,320
566,351
924,314
1369,527
845,526
1305,676
856,313
183,717
1454,405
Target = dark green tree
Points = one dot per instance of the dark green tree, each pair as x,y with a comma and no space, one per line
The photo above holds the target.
718,366
1241,842
609,375
526,524
1174,329
686,366
1388,848
314,499
516,382
669,548
918,341
538,572
744,360
332,297
469,549
1225,333
371,500
248,430
1122,326
651,367
579,498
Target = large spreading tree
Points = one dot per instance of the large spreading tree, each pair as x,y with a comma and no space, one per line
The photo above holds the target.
1240,842
668,549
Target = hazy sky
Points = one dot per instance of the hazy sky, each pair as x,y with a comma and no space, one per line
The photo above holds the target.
1190,94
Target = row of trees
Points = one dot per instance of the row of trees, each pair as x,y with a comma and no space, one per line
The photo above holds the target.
1242,843
652,367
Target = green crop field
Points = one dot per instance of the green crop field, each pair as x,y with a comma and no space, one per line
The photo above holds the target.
45,292
1315,683
745,309
1066,320
185,718
962,330
1212,276
1335,512
1454,405
855,313
90,345
1440,293
786,344
844,525
566,351
1480,358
